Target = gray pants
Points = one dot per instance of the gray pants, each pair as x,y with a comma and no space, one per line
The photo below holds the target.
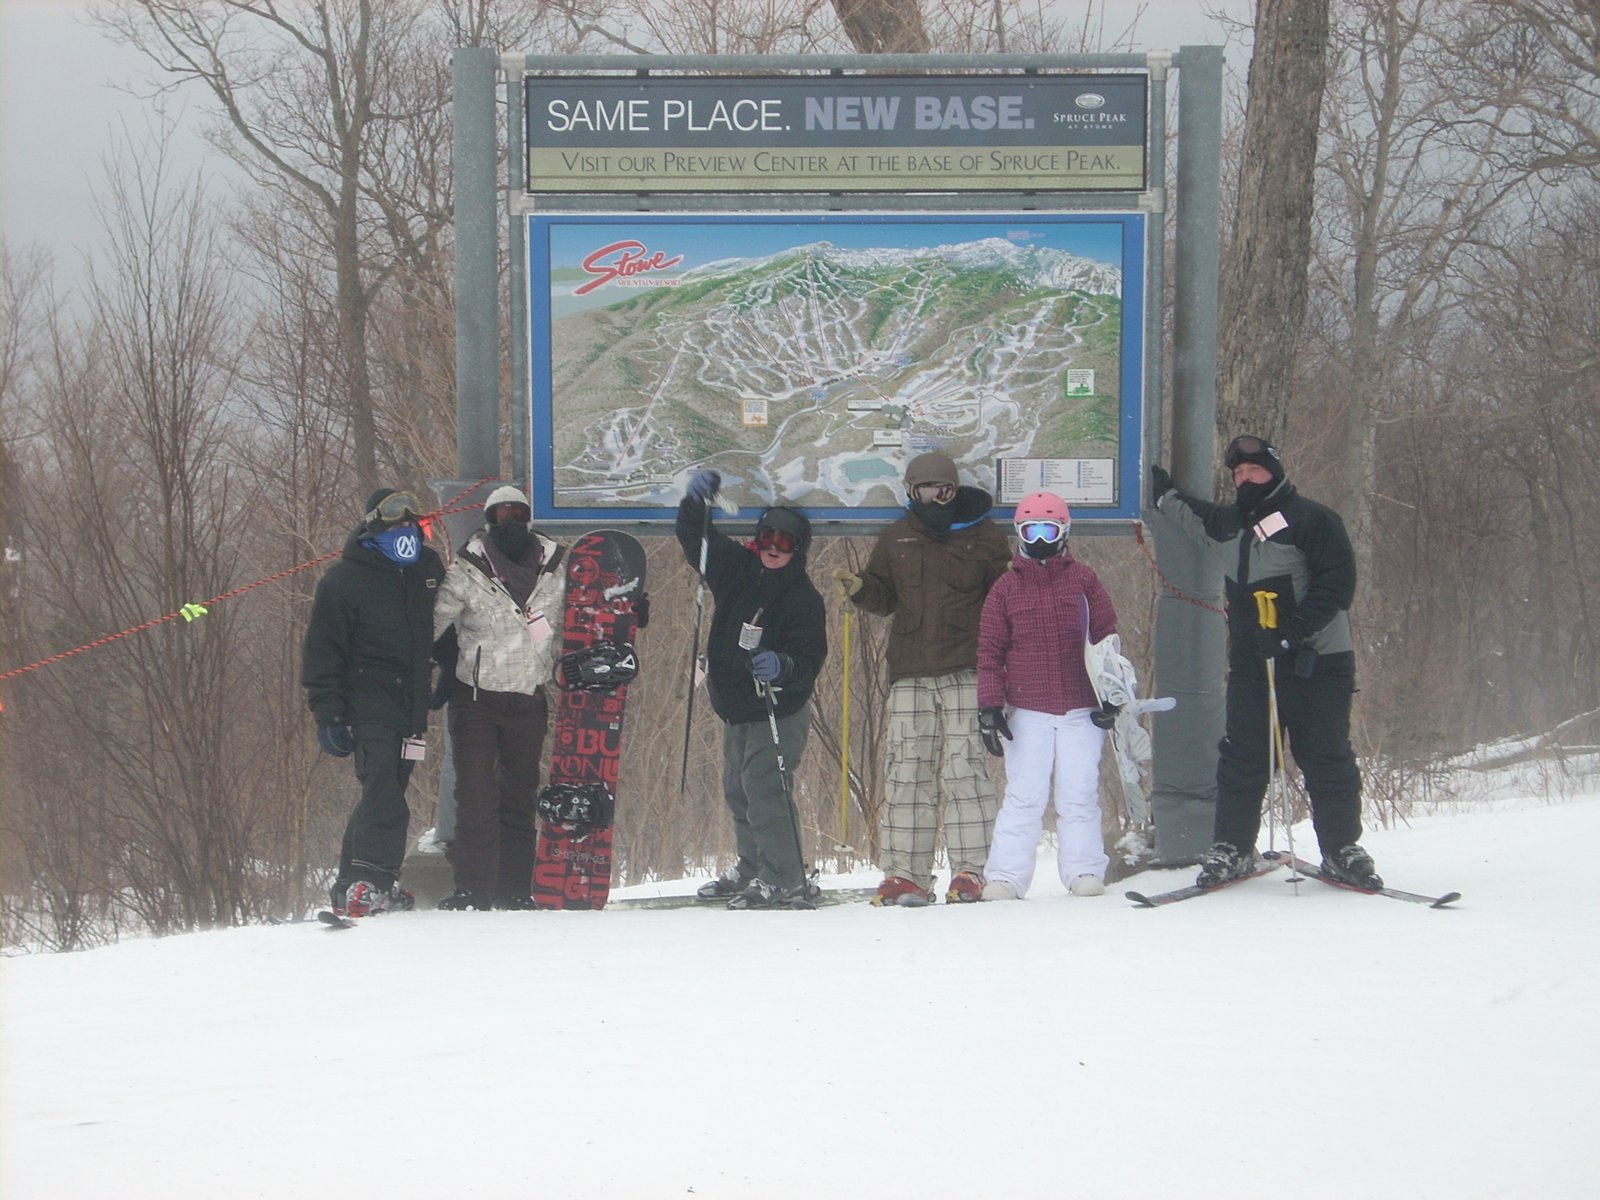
763,820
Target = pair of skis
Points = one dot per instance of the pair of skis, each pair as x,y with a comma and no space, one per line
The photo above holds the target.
1309,870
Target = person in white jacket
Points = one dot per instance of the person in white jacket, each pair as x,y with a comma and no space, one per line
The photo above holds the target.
504,594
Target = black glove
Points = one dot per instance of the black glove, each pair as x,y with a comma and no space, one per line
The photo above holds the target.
641,611
1273,642
1105,716
768,666
336,740
440,696
992,726
702,486
1160,483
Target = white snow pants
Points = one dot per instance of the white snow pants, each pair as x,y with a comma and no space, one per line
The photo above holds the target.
1043,745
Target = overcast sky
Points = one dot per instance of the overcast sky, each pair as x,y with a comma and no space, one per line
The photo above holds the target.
60,108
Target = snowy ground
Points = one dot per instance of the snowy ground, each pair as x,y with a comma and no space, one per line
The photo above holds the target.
1258,1042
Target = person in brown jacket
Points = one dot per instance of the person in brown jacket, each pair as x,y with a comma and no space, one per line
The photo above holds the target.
931,570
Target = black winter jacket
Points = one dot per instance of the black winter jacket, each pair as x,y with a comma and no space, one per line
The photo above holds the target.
1305,558
370,639
792,619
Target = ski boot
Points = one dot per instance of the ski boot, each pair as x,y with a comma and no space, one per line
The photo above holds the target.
1223,863
1353,865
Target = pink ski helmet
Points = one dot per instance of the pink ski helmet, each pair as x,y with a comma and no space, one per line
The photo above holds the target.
1043,506
1039,509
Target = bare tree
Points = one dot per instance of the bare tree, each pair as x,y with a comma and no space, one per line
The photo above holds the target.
308,99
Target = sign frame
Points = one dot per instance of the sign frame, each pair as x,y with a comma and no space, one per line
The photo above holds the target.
545,407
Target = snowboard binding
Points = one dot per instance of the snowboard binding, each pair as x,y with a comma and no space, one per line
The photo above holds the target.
600,667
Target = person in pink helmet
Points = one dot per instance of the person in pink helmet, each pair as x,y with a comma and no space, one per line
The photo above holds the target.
1036,705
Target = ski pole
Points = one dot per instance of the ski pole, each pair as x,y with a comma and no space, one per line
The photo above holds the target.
783,776
1267,617
694,650
732,510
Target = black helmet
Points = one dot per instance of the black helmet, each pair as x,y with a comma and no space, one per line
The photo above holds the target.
788,520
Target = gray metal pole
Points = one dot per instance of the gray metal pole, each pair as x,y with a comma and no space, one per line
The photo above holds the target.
1190,644
516,171
475,175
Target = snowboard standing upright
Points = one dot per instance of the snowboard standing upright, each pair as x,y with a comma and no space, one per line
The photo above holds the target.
605,579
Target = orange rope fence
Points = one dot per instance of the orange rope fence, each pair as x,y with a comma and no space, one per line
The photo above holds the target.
190,612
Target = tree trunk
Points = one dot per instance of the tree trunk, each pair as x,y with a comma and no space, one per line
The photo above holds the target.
1264,275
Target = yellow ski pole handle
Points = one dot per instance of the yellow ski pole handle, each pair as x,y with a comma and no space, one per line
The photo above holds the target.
1267,609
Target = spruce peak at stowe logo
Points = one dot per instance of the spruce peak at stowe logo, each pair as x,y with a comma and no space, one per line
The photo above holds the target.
622,262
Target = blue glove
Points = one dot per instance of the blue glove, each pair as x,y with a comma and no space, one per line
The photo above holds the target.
768,666
336,740
703,485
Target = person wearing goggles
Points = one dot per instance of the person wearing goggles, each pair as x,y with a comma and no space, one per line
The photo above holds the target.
503,600
930,571
366,671
1289,575
1037,706
767,643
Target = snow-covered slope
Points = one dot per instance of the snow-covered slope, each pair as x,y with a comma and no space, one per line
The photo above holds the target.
1255,1043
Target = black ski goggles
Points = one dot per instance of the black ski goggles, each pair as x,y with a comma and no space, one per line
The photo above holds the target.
1246,449
510,510
392,510
775,539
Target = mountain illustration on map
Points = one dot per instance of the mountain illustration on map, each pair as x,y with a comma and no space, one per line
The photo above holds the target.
810,376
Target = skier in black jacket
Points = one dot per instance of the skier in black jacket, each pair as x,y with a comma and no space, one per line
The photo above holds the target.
366,674
1273,540
768,631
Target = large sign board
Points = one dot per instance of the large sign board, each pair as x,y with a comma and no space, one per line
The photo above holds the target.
807,358
823,133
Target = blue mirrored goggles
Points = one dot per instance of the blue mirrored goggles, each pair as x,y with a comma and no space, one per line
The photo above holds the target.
1041,531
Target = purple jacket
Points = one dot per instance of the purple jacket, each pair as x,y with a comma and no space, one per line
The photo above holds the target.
1030,645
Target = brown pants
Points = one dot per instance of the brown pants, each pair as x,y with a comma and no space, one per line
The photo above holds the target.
496,739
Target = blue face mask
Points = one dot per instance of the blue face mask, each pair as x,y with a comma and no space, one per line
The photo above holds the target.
402,544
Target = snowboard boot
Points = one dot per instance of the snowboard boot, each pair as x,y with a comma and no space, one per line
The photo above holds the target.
1223,863
895,890
965,888
509,902
1353,865
462,900
724,887
1087,885
1001,889
759,894
363,899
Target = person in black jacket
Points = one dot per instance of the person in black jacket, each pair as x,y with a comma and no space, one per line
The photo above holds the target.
768,636
1288,559
366,673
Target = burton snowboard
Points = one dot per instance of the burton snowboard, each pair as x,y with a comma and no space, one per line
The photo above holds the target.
605,578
